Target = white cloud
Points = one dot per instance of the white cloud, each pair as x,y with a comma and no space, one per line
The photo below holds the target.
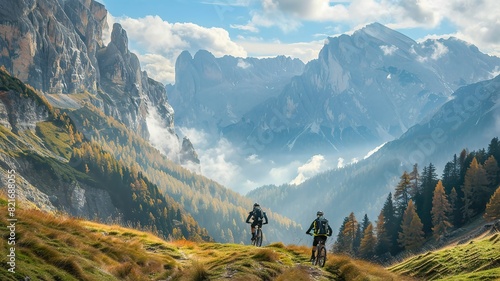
388,50
305,51
475,22
247,27
283,174
495,72
439,50
314,10
158,43
160,137
157,66
197,137
217,163
253,159
313,166
340,162
243,64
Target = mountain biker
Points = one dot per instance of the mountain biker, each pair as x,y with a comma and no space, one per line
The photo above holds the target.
321,231
258,216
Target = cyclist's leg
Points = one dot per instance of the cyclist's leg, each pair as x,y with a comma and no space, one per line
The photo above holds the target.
315,244
252,227
323,239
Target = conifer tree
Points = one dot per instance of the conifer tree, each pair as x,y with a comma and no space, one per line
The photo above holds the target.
368,243
415,181
423,202
357,240
456,215
411,236
364,225
494,148
383,240
350,230
402,193
440,210
341,245
451,175
474,185
492,174
462,162
493,207
391,223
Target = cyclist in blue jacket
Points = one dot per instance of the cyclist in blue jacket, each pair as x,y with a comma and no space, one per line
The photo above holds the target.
258,217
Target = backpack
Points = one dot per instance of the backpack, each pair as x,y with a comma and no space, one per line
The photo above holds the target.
321,226
257,214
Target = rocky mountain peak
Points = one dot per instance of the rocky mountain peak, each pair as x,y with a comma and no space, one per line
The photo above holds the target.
119,38
56,46
188,153
380,32
204,55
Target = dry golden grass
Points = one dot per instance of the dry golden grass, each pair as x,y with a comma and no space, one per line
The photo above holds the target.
58,247
196,272
298,273
348,268
50,245
266,254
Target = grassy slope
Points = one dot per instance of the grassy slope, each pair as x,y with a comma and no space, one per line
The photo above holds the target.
52,247
478,259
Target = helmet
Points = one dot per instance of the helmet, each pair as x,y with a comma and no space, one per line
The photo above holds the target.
319,213
256,205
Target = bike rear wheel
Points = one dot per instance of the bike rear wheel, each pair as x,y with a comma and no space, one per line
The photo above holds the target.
321,258
258,238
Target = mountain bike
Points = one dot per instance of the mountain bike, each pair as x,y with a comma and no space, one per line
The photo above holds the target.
320,258
259,236
320,254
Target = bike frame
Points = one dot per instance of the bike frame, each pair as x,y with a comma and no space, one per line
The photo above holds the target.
259,236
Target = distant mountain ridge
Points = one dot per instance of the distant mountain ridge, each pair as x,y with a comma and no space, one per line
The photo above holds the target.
364,89
211,93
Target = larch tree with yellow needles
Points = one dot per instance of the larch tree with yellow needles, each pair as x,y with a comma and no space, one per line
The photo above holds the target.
440,210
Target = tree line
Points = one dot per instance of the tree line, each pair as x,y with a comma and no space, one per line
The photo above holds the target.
424,208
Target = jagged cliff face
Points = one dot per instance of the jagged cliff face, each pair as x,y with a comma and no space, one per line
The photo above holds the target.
21,154
130,89
56,47
51,45
20,113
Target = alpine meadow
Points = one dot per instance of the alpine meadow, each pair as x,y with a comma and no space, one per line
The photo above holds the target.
204,140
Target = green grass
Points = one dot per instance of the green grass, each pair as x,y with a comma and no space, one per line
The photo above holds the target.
476,260
55,138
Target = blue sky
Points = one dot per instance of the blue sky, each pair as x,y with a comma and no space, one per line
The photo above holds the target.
159,30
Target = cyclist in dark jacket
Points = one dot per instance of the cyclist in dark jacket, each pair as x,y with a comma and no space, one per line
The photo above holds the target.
317,235
258,216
